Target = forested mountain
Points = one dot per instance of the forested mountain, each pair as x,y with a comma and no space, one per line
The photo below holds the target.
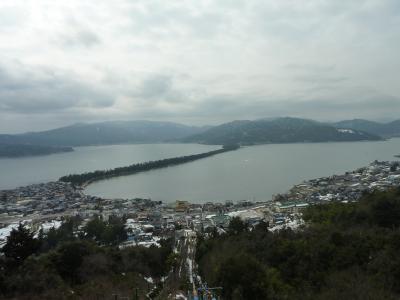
246,132
391,129
19,150
280,130
116,132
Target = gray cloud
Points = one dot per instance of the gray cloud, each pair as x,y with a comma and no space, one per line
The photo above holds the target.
319,109
158,88
35,90
311,68
75,33
79,38
155,87
190,19
197,62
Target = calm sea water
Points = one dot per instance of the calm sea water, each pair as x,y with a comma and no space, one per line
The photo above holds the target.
23,171
254,173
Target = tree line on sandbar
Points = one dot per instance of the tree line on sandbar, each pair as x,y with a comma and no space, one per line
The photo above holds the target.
89,177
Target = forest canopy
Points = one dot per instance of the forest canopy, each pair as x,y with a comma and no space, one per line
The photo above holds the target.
346,251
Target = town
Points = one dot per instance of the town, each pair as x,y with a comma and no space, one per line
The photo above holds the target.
47,204
346,188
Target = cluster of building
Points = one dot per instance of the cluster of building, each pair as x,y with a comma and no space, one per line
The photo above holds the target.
40,200
147,226
147,221
345,188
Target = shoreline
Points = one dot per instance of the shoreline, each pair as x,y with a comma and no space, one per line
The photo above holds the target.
63,198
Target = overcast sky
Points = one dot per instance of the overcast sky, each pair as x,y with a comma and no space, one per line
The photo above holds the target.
197,62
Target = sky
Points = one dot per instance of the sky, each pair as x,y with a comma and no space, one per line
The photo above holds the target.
197,62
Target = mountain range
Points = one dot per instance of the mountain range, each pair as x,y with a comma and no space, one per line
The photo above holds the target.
279,130
244,132
105,133
386,130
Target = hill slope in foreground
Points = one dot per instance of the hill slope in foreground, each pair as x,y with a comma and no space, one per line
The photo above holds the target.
347,251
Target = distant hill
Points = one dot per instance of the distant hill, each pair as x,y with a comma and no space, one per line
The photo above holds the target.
245,132
18,150
280,130
116,132
391,129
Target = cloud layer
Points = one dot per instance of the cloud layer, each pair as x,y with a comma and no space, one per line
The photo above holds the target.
196,62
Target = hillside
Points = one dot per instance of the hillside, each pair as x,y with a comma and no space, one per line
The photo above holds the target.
61,264
18,150
117,132
346,251
280,130
391,129
245,132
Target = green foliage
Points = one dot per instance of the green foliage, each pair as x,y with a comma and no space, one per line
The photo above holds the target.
394,167
110,233
69,258
243,277
79,179
231,146
36,274
20,245
95,228
63,234
157,260
3,197
385,210
330,214
67,266
347,251
236,226
377,209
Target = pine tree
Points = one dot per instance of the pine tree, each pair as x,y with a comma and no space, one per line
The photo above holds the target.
20,245
3,197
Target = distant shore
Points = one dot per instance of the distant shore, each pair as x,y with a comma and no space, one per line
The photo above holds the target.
26,150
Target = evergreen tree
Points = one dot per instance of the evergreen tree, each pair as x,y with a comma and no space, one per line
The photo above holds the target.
20,245
236,226
3,197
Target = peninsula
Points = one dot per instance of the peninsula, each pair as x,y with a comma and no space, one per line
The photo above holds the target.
89,177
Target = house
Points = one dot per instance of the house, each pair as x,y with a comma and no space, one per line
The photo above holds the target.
181,206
